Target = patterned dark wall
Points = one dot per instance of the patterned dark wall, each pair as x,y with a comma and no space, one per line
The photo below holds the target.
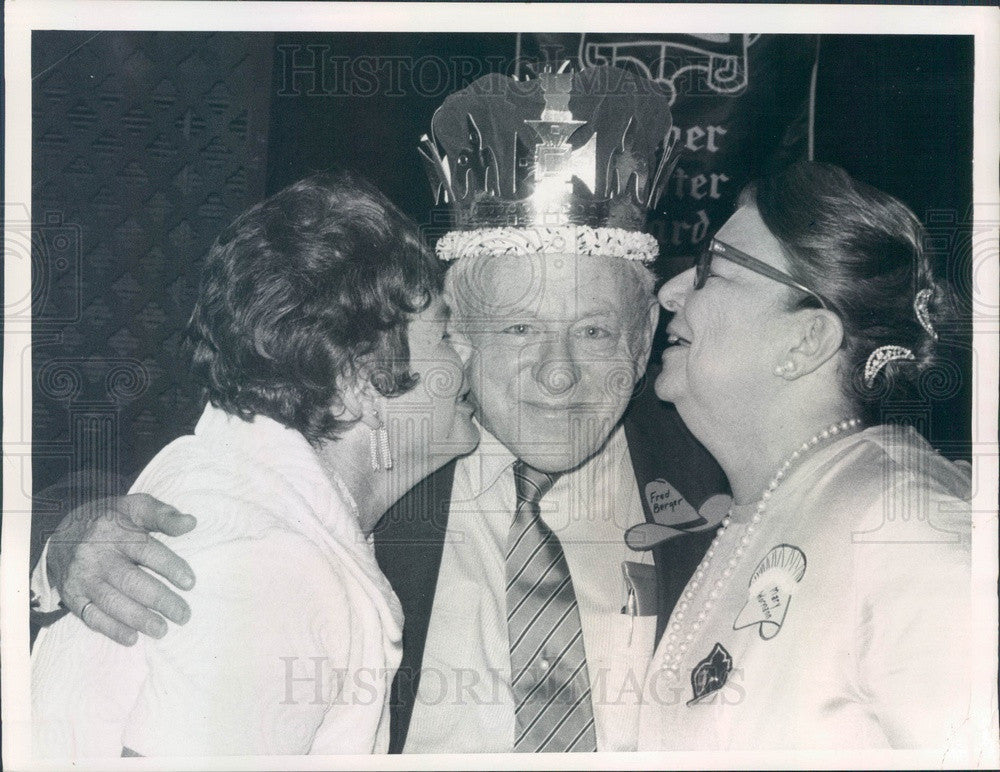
144,146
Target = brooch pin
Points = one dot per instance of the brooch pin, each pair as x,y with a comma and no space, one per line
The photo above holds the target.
711,673
770,590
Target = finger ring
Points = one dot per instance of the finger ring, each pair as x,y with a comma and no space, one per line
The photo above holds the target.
83,611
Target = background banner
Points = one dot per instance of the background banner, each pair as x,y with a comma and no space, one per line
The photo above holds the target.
741,104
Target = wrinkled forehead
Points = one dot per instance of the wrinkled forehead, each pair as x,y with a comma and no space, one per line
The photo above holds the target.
557,285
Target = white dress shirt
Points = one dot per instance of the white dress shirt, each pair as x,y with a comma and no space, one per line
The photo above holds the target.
294,634
464,702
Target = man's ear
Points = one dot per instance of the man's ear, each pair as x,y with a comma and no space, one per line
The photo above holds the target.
460,341
819,335
457,335
645,339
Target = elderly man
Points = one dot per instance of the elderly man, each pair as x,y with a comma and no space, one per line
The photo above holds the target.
529,620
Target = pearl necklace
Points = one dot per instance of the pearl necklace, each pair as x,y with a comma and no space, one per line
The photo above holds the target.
677,645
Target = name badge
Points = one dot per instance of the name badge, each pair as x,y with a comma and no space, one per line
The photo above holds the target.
669,507
645,536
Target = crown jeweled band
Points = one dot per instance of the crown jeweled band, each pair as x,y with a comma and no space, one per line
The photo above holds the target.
880,357
920,303
567,239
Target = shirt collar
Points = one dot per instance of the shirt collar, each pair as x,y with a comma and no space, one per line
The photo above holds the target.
488,462
492,459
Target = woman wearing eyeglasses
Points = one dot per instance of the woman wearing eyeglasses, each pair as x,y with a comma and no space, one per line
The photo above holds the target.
832,610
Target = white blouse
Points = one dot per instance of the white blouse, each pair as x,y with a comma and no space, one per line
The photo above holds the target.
843,624
294,635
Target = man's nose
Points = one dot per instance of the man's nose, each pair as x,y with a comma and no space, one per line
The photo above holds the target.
673,294
555,369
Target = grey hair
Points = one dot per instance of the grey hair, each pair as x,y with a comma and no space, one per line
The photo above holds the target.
463,274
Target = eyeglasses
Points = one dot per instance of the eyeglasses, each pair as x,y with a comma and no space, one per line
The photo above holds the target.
718,248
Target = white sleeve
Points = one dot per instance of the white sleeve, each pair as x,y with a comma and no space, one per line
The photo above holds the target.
255,669
46,598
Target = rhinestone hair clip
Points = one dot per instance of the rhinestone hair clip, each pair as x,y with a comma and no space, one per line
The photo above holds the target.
923,315
882,356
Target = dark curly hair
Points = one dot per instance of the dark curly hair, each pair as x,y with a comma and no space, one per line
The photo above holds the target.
318,281
862,250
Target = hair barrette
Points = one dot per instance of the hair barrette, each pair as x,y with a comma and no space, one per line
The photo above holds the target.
882,356
923,314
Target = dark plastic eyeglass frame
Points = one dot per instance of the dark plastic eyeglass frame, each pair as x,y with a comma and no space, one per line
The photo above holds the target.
734,255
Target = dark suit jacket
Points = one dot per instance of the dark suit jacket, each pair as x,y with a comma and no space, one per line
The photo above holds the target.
409,540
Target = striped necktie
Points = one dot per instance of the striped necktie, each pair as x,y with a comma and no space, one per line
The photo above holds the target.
547,661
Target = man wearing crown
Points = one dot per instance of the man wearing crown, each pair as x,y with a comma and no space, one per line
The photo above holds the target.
530,616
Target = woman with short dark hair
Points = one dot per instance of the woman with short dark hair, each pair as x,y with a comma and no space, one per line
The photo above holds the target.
863,250
831,610
312,285
319,336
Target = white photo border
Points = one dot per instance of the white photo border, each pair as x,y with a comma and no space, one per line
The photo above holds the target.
24,16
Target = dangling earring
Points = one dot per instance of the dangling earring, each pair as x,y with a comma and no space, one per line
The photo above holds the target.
378,446
373,448
383,446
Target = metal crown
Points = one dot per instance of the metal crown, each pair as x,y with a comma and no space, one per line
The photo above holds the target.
590,148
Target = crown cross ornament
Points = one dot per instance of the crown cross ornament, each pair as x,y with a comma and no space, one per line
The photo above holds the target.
556,163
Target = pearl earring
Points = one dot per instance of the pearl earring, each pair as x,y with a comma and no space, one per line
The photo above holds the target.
784,370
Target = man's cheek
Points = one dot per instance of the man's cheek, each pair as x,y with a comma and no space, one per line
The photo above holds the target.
611,381
496,360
